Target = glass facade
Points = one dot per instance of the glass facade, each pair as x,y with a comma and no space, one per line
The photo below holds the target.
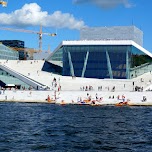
140,63
16,44
6,78
103,61
8,54
139,58
95,61
57,56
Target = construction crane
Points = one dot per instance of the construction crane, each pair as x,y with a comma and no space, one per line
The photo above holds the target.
3,3
40,33
30,51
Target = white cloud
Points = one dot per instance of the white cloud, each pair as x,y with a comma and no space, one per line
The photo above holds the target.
32,15
106,3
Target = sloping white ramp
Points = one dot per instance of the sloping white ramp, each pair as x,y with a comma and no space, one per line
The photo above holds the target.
27,80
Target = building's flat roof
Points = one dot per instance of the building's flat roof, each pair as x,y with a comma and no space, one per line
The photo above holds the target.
98,42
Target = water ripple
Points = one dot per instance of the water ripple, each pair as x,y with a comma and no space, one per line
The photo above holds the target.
42,127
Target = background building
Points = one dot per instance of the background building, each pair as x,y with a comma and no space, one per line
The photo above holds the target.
7,53
15,44
114,52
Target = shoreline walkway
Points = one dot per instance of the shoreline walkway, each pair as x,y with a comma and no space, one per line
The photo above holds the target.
78,97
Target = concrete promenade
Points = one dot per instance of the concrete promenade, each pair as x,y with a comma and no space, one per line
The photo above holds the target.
73,97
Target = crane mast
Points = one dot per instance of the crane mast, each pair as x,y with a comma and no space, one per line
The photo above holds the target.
40,39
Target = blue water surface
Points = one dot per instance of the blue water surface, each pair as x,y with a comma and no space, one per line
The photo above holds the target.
34,127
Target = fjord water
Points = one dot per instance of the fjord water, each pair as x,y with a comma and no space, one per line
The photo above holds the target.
73,128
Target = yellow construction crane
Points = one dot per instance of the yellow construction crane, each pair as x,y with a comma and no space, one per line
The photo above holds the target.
3,3
40,33
30,51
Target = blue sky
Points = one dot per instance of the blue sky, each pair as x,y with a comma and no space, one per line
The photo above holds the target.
67,17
